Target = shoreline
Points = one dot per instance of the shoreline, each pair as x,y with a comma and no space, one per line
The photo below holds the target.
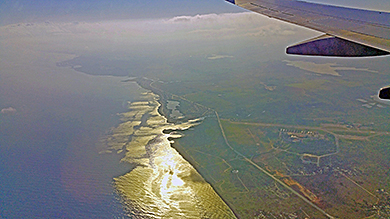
145,83
188,158
162,173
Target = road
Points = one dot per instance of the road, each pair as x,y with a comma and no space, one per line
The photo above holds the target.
328,129
269,174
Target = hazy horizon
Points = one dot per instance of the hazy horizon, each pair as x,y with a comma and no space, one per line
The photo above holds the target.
24,11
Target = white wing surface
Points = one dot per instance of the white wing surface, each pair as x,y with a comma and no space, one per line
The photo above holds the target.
348,32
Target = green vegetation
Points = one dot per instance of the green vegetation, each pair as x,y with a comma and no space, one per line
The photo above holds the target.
319,84
292,143
239,183
340,182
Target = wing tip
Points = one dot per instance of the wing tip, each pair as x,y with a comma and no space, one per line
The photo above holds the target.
327,45
231,1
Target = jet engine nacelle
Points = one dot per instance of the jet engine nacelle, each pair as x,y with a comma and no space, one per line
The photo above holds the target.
384,93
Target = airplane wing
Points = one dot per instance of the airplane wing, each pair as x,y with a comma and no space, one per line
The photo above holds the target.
348,32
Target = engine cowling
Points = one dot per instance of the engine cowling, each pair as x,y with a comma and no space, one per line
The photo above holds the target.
384,93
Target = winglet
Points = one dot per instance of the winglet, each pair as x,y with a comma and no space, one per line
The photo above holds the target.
327,45
231,1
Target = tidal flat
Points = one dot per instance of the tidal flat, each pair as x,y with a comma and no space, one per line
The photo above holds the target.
162,184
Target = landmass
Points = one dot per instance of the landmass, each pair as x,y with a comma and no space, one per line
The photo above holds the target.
279,143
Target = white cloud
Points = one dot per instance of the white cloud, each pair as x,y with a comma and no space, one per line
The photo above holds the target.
231,25
9,110
135,35
214,56
246,23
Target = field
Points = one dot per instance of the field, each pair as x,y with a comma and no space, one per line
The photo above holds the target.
279,140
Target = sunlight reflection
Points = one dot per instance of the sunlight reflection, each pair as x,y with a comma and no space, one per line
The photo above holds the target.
163,184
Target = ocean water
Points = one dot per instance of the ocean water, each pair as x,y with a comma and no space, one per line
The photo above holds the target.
95,149
51,165
163,184
74,145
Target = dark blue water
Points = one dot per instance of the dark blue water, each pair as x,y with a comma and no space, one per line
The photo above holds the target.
50,165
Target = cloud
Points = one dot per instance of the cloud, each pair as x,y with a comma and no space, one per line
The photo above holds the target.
137,35
271,30
214,56
226,18
232,25
216,25
180,19
9,110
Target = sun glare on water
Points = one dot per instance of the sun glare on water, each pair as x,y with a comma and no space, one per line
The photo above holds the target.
163,184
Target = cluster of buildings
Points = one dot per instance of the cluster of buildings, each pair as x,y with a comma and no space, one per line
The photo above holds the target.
298,136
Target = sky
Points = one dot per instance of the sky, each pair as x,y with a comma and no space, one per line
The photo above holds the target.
15,11
103,9
78,27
